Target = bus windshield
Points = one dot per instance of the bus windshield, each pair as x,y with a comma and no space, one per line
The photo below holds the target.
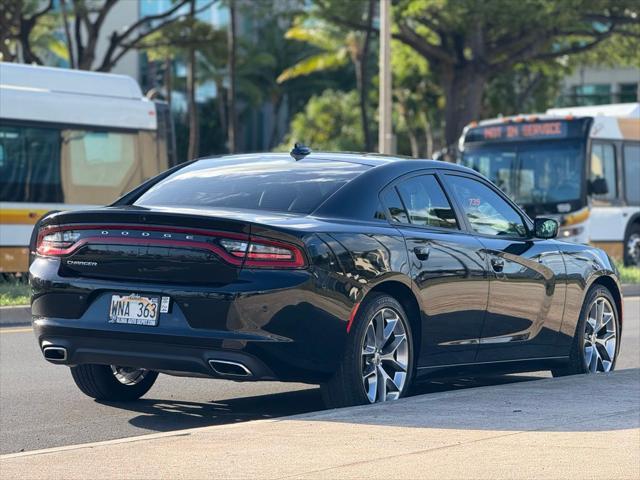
532,173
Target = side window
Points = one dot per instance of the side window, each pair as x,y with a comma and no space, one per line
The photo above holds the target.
392,201
100,159
487,212
603,165
426,202
98,167
632,173
29,164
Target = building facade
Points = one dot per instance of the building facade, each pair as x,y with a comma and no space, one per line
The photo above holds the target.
599,86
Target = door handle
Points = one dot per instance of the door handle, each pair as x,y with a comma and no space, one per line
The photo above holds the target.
422,253
497,264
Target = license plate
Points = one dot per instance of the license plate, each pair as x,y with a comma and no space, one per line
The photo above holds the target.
134,310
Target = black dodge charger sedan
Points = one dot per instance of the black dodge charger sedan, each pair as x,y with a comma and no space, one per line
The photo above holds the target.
362,273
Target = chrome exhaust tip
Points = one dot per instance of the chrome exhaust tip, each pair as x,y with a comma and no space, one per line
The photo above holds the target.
55,354
226,368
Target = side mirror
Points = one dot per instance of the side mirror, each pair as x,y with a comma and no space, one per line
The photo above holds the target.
598,186
545,228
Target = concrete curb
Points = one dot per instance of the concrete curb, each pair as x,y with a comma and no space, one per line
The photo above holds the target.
15,316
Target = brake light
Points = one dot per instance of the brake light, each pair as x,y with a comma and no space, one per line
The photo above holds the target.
264,253
235,248
56,242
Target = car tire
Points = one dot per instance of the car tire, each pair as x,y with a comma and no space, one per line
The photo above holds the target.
632,246
102,382
578,363
353,382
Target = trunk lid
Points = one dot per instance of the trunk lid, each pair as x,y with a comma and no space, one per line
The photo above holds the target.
134,244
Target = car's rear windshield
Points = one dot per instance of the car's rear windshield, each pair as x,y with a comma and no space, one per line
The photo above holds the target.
281,185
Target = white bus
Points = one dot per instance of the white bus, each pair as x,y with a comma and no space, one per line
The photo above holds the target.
580,165
70,139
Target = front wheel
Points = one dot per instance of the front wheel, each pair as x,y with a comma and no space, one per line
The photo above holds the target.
597,338
377,364
113,383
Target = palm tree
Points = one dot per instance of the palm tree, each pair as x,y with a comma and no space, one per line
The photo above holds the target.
335,48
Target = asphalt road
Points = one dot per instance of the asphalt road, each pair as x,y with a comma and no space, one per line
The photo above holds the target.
41,407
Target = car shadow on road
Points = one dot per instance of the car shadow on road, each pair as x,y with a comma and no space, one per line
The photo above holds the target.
163,415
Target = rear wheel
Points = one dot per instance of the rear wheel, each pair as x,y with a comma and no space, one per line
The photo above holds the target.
113,383
377,365
596,341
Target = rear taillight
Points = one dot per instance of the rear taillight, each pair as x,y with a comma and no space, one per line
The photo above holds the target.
264,253
56,242
237,249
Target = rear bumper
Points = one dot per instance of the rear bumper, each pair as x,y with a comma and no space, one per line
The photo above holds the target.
279,325
181,356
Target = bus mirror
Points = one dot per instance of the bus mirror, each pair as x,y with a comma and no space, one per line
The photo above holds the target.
598,186
545,228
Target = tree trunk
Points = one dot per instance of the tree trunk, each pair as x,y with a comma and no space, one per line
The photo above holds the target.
428,136
67,33
168,80
231,45
276,101
463,88
363,80
28,55
221,105
192,108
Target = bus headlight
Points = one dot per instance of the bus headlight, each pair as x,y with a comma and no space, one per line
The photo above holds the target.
569,232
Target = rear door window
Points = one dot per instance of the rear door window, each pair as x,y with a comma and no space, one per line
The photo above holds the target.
392,201
426,203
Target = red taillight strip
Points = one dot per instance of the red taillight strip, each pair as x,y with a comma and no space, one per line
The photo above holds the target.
155,241
246,260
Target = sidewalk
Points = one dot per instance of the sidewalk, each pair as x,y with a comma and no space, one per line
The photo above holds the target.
574,427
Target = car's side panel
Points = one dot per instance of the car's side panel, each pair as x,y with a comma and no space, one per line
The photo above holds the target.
526,300
452,286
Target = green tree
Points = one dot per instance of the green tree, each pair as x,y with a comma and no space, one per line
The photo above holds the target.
527,87
83,24
186,39
418,101
328,122
334,48
27,32
468,43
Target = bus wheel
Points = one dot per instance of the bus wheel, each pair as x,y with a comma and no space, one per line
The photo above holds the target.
632,246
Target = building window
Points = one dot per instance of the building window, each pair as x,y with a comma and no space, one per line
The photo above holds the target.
628,92
591,94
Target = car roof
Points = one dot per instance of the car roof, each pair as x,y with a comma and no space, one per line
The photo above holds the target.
373,160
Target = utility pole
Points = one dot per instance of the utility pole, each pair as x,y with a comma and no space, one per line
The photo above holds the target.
232,133
385,134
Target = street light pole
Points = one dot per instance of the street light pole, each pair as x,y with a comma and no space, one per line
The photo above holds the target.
385,135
